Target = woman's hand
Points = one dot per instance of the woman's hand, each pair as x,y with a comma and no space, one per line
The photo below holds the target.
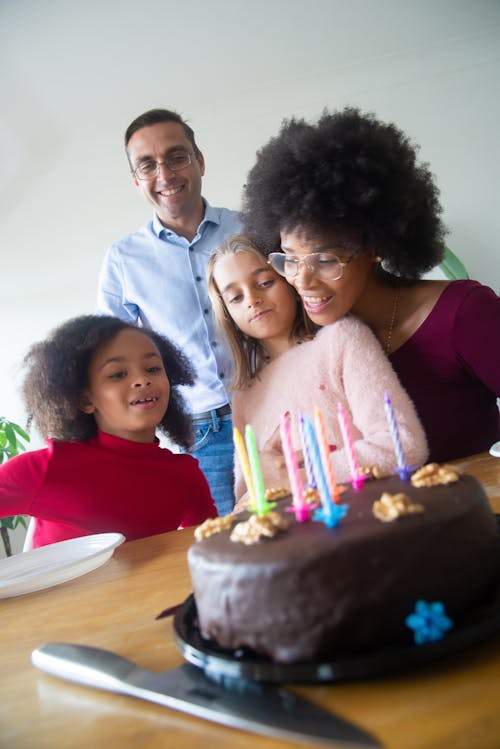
273,467
241,503
273,449
273,462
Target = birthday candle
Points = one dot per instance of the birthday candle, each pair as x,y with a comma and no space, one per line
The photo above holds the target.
324,449
305,452
319,474
356,478
293,470
403,469
261,503
245,465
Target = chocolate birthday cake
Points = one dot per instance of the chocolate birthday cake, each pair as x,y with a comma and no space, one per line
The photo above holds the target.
297,591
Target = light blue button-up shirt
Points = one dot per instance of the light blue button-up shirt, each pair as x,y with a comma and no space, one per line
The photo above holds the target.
157,278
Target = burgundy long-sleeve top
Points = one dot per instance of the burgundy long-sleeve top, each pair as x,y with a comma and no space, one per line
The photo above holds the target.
450,367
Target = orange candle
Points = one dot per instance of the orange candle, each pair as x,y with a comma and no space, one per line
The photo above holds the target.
324,449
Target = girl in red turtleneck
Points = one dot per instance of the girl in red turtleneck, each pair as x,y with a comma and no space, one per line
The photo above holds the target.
98,389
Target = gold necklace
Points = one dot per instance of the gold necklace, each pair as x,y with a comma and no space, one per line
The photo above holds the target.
395,305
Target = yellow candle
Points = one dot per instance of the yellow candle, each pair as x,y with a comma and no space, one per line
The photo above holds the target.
245,465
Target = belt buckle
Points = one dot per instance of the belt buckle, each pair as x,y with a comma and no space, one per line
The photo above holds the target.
206,415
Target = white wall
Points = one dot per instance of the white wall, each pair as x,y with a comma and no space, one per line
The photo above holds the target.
74,74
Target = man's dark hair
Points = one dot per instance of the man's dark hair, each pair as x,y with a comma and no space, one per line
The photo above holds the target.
153,117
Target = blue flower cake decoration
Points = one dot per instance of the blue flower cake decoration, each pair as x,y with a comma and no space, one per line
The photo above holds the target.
331,515
428,622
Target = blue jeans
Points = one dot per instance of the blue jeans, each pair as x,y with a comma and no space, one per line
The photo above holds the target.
214,450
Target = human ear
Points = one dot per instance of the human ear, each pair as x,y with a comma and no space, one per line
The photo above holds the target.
201,161
86,404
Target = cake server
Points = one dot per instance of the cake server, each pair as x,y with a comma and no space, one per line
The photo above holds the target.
250,706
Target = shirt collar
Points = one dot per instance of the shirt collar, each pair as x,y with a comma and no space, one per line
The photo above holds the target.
211,217
125,447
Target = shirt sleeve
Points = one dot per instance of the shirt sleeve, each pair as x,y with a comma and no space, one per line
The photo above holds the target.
201,504
20,479
110,290
476,336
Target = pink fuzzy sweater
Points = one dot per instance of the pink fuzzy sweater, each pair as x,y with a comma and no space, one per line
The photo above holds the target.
343,363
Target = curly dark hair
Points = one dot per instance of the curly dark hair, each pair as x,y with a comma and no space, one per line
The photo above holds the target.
352,174
57,371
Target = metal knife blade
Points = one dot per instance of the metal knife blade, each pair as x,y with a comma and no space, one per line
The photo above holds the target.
247,705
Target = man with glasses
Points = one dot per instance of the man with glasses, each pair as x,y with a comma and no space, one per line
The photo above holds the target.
156,277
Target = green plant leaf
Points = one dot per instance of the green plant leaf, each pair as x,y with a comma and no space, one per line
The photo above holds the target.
10,446
13,521
9,442
20,431
11,437
452,267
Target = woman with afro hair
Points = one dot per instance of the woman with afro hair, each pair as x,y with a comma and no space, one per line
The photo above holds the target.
349,217
271,337
98,388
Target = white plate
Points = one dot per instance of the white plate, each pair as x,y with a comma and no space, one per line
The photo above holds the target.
495,450
55,563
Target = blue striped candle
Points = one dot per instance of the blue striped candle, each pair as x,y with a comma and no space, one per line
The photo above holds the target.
403,469
306,453
317,465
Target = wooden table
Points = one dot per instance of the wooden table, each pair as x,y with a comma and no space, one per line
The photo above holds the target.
454,704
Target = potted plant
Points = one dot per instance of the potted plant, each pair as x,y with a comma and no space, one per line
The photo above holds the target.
13,440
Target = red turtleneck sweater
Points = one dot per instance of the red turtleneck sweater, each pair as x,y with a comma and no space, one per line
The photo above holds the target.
107,484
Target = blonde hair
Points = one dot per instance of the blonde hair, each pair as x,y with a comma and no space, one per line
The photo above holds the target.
248,353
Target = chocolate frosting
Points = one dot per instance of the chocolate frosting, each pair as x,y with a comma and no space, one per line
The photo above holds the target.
312,591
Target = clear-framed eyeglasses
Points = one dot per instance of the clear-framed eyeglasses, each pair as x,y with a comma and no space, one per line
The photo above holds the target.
326,265
176,161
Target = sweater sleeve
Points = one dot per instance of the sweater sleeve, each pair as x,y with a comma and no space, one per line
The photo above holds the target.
201,505
20,479
367,375
476,335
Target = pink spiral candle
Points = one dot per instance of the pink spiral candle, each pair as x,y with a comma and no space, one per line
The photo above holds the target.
300,506
356,478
